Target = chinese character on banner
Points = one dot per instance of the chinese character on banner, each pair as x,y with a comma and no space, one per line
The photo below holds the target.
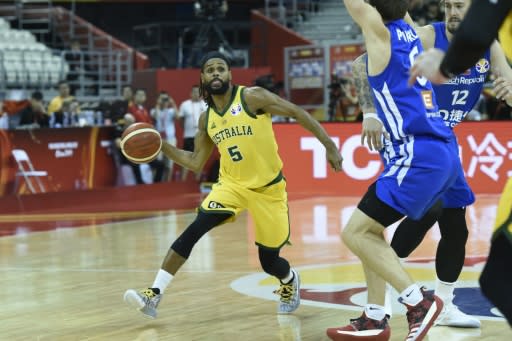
489,155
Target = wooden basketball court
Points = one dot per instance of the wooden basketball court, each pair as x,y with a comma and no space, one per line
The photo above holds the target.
64,282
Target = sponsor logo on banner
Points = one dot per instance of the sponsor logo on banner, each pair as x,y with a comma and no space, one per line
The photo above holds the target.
485,150
63,149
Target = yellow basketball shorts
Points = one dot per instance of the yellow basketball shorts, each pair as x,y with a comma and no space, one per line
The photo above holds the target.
268,207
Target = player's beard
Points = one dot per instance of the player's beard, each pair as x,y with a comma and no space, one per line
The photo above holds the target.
217,91
452,26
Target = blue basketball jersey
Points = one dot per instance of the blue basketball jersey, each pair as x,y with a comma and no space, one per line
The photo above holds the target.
457,97
405,110
420,165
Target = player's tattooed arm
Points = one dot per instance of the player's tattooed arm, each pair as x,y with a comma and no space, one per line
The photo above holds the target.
373,128
362,85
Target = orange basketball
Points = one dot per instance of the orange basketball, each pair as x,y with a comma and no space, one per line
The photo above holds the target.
141,143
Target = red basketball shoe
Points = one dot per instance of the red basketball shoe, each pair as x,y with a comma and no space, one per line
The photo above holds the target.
362,329
423,315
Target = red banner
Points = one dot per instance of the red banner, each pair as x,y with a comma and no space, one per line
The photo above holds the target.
486,153
81,158
72,158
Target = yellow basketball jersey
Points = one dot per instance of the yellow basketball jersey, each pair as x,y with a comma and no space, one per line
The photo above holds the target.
504,214
246,143
505,36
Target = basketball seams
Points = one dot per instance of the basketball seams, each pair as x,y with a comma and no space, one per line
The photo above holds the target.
135,133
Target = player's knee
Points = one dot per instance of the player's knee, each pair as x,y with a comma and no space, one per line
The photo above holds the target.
185,242
402,250
272,264
347,236
453,225
354,235
199,227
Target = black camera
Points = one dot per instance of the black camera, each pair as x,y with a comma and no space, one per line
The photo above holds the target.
209,9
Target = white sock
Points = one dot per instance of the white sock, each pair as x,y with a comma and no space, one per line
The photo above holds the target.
444,291
375,312
288,278
162,280
388,309
412,295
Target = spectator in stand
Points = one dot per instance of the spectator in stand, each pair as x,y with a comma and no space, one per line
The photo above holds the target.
416,10
349,104
343,102
189,113
137,110
164,114
433,12
34,115
64,94
138,113
66,116
120,107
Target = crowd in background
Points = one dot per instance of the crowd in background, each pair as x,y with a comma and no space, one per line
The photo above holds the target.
64,110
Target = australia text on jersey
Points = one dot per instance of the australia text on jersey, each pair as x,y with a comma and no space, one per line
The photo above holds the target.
228,133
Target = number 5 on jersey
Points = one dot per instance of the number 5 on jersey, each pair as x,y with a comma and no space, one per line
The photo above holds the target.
235,154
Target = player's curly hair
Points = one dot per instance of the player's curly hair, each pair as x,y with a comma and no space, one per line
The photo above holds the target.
202,89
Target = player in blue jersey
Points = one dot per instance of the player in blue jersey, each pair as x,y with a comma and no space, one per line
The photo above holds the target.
467,46
420,167
455,99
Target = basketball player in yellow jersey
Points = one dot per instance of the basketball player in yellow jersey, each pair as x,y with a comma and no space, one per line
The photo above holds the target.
238,122
496,278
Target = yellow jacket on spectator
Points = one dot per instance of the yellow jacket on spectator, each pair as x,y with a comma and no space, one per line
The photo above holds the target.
56,103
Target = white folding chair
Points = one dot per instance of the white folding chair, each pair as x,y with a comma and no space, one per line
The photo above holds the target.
26,169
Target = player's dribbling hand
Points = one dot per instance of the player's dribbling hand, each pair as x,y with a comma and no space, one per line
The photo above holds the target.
335,159
427,65
503,89
373,131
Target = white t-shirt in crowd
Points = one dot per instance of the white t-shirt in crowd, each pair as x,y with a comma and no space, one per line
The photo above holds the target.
191,111
164,122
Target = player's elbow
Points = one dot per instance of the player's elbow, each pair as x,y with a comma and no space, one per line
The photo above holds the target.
196,164
196,168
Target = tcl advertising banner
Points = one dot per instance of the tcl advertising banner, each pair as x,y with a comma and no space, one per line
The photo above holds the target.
58,159
486,153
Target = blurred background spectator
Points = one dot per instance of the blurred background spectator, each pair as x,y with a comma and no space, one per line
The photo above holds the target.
64,95
165,114
189,113
34,115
